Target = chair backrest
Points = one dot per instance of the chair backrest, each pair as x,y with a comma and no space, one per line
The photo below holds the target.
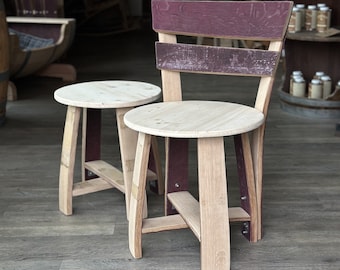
245,20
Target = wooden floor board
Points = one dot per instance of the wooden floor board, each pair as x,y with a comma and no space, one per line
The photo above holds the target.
301,194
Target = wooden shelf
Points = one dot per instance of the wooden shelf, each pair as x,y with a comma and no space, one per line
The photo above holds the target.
313,108
309,53
312,36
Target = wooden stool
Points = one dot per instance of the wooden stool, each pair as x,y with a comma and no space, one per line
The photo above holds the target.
122,96
208,122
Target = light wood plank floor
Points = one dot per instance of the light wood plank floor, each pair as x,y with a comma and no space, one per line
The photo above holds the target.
301,180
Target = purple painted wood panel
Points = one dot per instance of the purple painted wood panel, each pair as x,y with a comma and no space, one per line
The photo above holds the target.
178,169
242,177
93,138
37,8
262,20
221,60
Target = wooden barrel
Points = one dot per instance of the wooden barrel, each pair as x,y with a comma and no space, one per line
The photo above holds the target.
4,62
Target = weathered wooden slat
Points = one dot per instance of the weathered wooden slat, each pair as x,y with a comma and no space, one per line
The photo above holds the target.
107,172
219,60
164,223
263,20
189,208
90,186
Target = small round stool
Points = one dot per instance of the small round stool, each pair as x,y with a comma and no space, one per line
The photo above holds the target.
122,96
208,218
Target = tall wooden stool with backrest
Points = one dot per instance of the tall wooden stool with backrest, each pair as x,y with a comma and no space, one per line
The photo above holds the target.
208,121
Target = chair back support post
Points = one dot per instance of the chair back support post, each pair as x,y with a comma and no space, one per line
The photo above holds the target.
171,81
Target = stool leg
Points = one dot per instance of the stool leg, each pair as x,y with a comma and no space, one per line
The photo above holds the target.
68,154
257,154
127,143
137,200
213,199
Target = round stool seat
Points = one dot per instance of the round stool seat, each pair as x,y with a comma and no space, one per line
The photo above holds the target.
107,94
194,119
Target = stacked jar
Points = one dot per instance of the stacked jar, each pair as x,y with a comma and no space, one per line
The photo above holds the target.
319,87
302,9
297,84
323,18
315,89
311,18
295,21
335,95
337,87
326,86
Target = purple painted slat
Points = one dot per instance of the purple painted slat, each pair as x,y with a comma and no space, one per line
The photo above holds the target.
221,60
242,177
178,169
262,20
37,8
93,138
